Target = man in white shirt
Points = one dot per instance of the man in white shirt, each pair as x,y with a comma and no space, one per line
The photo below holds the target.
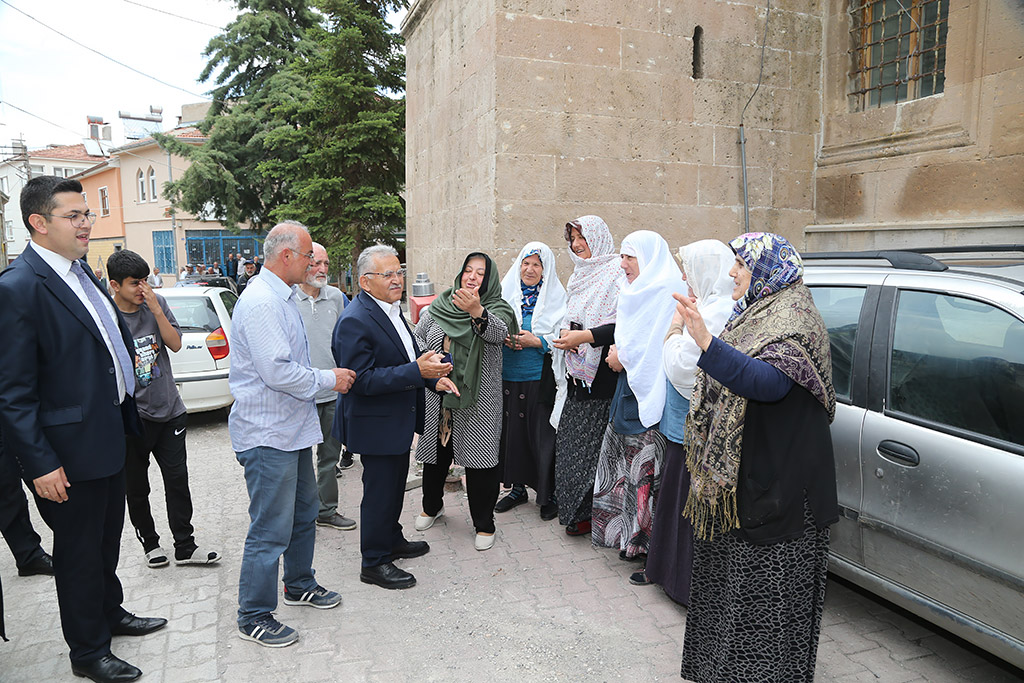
155,280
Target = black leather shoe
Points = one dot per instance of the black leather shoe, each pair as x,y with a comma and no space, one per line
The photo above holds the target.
106,669
131,625
387,575
41,565
410,549
548,511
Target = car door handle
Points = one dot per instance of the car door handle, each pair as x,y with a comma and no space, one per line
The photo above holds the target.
901,453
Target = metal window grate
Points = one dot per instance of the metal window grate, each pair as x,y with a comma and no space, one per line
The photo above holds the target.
899,50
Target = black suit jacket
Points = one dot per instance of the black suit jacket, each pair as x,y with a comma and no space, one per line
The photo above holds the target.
58,391
385,405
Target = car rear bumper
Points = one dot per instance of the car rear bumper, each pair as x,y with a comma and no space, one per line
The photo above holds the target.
204,391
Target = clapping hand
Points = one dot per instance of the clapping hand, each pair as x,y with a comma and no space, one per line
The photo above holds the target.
686,308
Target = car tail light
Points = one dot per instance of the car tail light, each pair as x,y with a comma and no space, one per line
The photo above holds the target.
217,343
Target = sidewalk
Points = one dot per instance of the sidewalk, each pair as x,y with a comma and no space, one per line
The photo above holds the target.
539,606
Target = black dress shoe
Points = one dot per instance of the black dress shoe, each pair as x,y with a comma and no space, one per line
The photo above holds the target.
548,511
106,669
387,575
131,625
410,549
40,565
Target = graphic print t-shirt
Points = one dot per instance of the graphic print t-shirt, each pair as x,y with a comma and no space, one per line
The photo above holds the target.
155,391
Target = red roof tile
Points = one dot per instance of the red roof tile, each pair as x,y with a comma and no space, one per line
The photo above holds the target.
70,152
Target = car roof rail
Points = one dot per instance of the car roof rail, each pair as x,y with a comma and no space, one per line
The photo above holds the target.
906,259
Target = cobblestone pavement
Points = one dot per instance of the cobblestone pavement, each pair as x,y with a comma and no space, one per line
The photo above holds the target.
539,606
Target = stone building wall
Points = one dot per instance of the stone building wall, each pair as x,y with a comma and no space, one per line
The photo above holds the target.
946,169
524,114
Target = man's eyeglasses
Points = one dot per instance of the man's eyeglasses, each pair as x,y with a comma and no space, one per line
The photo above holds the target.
308,255
390,274
78,219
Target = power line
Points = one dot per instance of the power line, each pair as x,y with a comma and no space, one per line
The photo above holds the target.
171,14
78,42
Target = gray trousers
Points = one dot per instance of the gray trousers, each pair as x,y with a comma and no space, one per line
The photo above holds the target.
327,455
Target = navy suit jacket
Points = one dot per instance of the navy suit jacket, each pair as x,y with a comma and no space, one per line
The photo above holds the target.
385,405
59,404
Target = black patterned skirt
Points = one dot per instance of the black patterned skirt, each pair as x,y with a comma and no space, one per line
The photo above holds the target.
671,553
755,610
577,446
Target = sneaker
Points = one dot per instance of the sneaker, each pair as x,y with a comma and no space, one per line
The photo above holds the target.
319,597
517,496
268,631
337,521
639,578
346,461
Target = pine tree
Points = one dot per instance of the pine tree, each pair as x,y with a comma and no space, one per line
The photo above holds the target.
256,57
350,133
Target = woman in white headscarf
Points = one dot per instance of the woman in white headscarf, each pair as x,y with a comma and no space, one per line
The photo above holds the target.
629,465
527,451
706,267
587,333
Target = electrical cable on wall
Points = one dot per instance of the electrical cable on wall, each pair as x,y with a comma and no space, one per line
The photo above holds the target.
743,138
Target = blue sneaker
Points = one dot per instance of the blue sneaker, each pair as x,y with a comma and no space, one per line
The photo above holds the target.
319,597
268,631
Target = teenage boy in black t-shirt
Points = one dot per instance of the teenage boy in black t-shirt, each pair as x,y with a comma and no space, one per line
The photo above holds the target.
154,330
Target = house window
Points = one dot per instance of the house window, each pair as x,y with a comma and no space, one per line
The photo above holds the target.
899,50
62,172
104,202
9,229
141,179
163,250
3,186
36,171
153,194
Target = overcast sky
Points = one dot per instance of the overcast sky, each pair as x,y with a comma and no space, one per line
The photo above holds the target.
60,80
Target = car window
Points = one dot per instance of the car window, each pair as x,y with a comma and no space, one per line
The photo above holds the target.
194,313
840,308
958,362
229,299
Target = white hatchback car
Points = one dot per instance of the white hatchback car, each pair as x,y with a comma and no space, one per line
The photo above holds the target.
201,366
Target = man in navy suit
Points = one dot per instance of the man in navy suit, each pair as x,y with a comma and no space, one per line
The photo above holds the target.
382,410
66,386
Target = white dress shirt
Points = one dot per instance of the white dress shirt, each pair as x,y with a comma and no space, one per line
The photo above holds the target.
62,266
394,314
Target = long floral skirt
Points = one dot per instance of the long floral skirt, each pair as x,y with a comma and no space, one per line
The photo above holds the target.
577,445
755,610
626,488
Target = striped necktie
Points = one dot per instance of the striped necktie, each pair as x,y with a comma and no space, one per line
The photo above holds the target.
109,324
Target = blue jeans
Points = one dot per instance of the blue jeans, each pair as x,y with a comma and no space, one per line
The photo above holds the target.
283,505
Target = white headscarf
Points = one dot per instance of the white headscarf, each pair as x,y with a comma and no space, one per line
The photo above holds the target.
592,290
706,264
549,311
644,315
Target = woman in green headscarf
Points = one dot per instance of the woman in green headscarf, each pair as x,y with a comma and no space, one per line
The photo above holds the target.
470,321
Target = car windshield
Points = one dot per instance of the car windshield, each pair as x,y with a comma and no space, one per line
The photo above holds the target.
194,314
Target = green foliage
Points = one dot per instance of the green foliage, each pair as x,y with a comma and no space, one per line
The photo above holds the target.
308,125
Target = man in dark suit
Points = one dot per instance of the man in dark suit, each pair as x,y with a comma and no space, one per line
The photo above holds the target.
66,387
15,523
382,410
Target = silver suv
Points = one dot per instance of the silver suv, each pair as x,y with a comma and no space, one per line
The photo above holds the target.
928,361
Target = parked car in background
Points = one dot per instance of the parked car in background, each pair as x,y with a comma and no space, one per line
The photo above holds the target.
208,281
201,366
928,364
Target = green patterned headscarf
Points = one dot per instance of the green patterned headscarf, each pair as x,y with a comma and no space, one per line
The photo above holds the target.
467,348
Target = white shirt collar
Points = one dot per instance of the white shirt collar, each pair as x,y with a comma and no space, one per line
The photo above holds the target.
60,264
391,309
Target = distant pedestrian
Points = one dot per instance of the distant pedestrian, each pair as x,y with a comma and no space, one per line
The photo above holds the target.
231,267
154,331
320,304
273,426
155,279
248,273
256,262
